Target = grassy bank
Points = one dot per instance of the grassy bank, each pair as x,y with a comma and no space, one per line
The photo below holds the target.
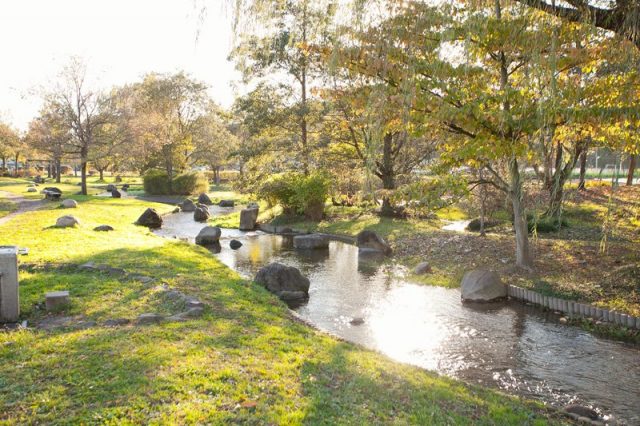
6,207
244,361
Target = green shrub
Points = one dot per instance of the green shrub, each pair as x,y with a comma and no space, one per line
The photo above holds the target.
545,224
157,183
297,193
190,183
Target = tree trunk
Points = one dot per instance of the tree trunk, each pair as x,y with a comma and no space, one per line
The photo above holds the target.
101,174
16,165
58,170
583,170
387,174
632,169
49,169
303,87
83,171
523,256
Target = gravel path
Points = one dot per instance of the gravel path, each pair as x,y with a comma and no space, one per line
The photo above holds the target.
23,205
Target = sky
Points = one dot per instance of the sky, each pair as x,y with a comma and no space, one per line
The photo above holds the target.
119,40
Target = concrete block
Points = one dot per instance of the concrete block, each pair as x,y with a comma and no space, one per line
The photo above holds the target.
56,300
9,296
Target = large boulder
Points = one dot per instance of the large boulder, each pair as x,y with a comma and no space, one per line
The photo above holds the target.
369,241
201,214
150,218
310,242
235,244
481,285
32,189
204,199
248,218
226,203
52,189
116,194
187,206
67,222
69,204
208,235
111,187
284,281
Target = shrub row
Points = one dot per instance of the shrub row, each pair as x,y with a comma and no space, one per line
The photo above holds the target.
158,183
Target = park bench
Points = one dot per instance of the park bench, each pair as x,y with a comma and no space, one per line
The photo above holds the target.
52,194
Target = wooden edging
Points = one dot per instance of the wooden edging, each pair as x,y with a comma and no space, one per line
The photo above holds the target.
572,308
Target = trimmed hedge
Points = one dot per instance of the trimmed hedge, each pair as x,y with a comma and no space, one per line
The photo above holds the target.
157,183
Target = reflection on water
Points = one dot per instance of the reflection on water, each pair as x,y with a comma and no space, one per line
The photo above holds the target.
517,348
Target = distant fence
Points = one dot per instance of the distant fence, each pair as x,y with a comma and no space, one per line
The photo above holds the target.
573,309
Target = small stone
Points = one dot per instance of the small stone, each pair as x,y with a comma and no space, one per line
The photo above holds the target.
422,268
56,300
235,244
194,303
32,189
357,321
226,203
201,214
149,318
89,266
563,320
116,271
188,314
116,322
67,222
187,206
103,228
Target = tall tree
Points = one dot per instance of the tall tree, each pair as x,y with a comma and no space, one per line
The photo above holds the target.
48,134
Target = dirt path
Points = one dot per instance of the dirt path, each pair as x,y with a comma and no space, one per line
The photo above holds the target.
23,205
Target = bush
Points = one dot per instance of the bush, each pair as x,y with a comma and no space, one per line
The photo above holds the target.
297,193
190,183
157,183
545,224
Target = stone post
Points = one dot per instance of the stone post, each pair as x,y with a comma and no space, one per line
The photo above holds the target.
9,298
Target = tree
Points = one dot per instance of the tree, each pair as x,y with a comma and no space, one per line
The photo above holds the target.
618,16
9,139
82,112
286,30
167,112
48,134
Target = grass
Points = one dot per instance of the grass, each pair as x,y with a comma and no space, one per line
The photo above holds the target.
244,361
6,207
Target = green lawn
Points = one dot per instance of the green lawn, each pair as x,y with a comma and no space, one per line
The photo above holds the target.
6,207
244,361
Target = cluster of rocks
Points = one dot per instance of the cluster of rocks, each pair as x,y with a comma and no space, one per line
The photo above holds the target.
69,221
191,307
286,282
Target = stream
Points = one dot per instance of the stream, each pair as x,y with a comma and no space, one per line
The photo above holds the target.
508,345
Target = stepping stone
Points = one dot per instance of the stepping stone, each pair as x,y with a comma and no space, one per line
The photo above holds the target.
188,314
89,266
194,303
146,319
55,300
103,228
116,322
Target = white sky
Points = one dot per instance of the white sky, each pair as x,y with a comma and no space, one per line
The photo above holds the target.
120,40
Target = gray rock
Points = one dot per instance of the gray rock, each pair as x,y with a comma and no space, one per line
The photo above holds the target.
89,266
422,268
248,218
357,321
482,286
116,194
103,228
310,242
67,222
146,319
226,203
278,278
204,199
208,235
582,411
292,296
116,322
111,187
32,189
372,242
190,313
235,244
201,214
194,303
69,204
187,206
150,218
56,300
